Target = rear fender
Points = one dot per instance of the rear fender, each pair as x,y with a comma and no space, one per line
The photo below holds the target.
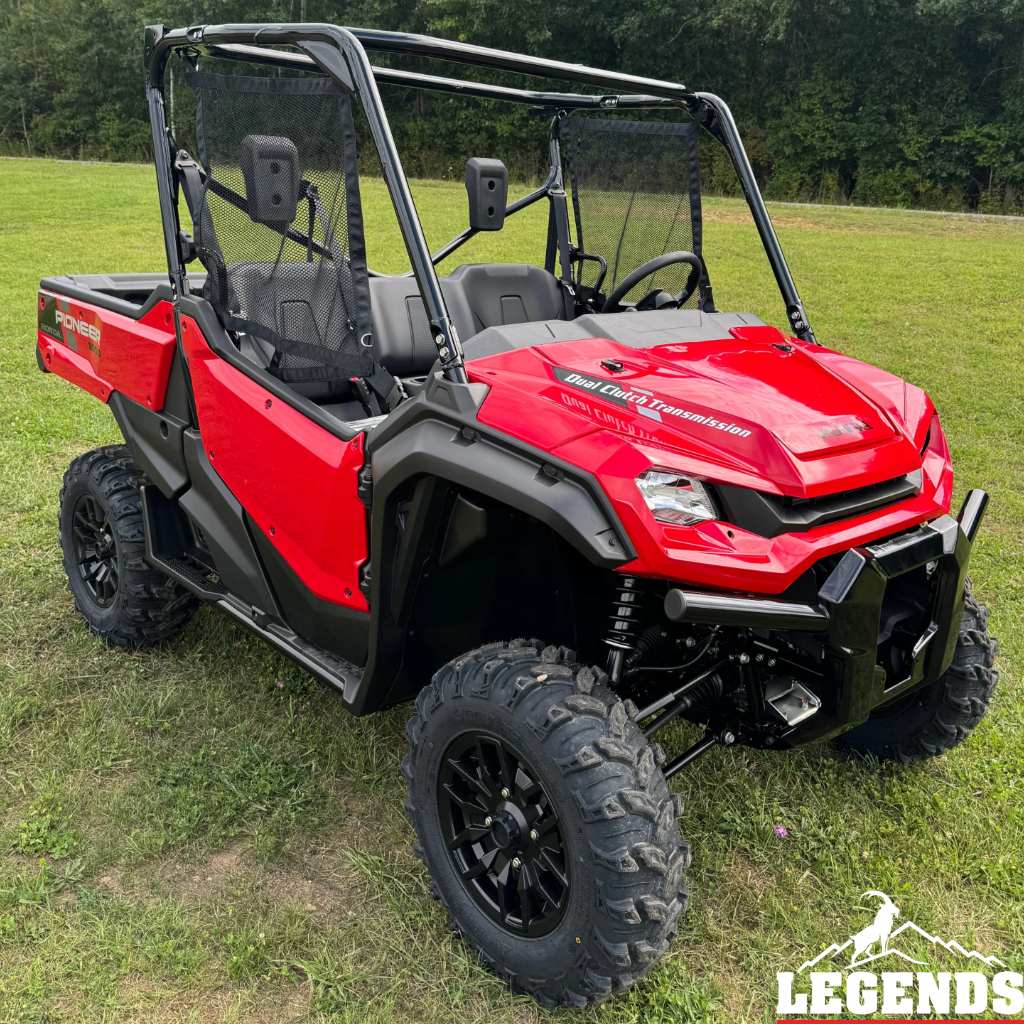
103,351
156,439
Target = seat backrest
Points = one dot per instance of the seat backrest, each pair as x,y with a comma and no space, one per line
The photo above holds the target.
478,296
500,294
402,342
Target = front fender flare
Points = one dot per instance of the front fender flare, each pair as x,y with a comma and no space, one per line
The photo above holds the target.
437,435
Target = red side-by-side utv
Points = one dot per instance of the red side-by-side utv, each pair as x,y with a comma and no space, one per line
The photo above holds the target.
395,479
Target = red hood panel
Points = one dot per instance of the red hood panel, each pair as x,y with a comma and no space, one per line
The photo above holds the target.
757,404
854,430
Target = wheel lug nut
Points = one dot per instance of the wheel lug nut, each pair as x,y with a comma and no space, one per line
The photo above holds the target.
487,821
533,834
516,863
505,793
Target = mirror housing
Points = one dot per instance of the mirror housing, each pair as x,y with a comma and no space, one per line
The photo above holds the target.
487,186
270,168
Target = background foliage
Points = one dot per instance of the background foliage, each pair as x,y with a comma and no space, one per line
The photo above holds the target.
887,102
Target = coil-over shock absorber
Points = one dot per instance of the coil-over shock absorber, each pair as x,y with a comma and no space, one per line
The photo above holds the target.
625,622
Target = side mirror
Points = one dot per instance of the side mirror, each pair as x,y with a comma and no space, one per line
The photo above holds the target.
487,185
270,168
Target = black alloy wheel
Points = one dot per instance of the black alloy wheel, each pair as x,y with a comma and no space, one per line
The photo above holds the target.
503,835
544,821
123,599
94,551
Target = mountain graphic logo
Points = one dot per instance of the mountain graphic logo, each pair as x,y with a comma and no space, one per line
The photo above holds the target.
878,938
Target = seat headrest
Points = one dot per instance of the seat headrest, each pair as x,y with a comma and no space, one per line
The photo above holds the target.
270,167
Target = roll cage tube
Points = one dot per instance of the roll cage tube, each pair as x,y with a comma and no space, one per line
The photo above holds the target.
723,128
435,83
322,45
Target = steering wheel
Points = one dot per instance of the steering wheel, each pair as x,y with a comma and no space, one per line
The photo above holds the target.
613,304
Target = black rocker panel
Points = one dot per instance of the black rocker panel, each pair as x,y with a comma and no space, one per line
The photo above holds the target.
221,518
155,440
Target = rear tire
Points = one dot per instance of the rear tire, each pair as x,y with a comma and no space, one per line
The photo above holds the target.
122,599
598,797
939,716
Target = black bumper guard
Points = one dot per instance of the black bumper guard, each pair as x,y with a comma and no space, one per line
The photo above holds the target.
848,613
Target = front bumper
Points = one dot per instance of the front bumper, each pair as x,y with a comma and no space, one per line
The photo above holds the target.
847,618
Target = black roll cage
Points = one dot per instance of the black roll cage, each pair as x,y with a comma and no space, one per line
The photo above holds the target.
340,53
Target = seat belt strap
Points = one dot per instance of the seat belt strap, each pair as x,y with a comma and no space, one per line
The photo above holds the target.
387,386
190,177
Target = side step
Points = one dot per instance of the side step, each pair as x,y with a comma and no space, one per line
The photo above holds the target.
199,578
327,667
164,535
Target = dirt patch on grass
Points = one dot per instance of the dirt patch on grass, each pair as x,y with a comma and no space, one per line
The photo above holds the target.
334,896
317,877
962,924
215,874
191,883
111,879
314,878
743,873
736,997
156,1004
222,864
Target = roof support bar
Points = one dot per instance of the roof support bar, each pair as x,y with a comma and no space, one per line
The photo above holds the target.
459,87
503,60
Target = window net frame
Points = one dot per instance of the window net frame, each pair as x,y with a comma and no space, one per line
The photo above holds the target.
621,195
301,283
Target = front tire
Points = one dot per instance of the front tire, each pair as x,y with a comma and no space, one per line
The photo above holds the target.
939,716
122,599
545,822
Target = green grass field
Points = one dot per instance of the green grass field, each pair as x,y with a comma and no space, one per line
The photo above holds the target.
201,833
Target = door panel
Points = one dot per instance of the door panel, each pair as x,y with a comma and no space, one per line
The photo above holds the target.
298,483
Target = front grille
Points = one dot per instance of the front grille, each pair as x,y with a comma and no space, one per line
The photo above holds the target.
772,514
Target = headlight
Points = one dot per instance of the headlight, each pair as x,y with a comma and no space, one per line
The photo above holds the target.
675,499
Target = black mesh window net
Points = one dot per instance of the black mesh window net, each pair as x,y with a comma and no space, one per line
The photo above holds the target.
636,194
279,225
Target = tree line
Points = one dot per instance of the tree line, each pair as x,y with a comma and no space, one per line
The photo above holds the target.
881,102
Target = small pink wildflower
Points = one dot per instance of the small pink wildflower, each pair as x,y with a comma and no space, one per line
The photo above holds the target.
781,831
280,684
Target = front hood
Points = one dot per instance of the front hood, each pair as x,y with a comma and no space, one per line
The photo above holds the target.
756,408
